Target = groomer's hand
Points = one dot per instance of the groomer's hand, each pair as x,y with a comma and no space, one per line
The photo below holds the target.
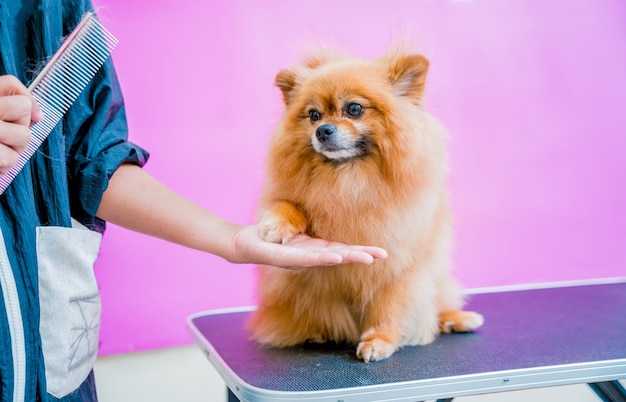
18,108
301,252
137,201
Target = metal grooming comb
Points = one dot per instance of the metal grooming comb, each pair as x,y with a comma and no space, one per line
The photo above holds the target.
61,81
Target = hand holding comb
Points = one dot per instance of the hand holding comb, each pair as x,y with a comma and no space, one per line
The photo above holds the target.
62,80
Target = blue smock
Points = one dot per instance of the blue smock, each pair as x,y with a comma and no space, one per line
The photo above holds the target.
65,179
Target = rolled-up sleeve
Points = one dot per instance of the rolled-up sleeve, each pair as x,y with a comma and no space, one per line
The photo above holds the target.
97,143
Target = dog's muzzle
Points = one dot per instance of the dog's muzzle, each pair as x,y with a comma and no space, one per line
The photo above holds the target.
326,133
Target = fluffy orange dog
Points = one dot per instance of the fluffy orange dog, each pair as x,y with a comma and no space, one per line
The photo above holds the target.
356,159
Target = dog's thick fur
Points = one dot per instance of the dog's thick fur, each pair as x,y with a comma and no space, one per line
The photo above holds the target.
374,174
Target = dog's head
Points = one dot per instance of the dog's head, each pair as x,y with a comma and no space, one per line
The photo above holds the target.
346,108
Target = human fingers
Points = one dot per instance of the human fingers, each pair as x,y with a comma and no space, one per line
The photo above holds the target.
326,252
17,98
352,251
302,251
14,129
14,135
16,109
8,157
295,258
348,253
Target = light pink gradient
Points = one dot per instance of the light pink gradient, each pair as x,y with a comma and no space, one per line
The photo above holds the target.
533,92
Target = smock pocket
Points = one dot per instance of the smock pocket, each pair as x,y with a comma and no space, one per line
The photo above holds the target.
70,304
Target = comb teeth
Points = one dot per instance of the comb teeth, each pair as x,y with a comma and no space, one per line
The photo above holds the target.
62,80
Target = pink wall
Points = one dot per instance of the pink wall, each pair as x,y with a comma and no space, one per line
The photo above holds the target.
534,94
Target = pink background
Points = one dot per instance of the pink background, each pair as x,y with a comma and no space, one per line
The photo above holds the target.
533,92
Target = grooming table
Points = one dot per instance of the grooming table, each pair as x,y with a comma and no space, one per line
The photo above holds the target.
540,337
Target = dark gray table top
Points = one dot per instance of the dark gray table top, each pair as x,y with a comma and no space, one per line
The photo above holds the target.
530,338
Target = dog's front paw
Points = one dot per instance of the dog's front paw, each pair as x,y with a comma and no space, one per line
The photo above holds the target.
282,223
276,230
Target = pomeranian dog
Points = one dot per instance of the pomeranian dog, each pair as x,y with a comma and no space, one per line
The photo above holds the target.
356,159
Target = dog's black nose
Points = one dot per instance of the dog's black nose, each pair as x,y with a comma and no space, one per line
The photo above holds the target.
325,132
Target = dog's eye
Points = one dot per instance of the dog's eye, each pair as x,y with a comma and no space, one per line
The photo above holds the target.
354,110
314,115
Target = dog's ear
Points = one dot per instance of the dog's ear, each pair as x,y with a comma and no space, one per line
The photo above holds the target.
407,74
286,81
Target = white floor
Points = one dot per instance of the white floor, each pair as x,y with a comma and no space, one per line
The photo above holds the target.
183,374
175,374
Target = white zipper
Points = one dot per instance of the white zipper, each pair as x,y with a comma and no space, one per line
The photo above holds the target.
16,325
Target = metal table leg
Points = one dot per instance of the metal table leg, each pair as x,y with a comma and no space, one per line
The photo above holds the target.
609,391
231,396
